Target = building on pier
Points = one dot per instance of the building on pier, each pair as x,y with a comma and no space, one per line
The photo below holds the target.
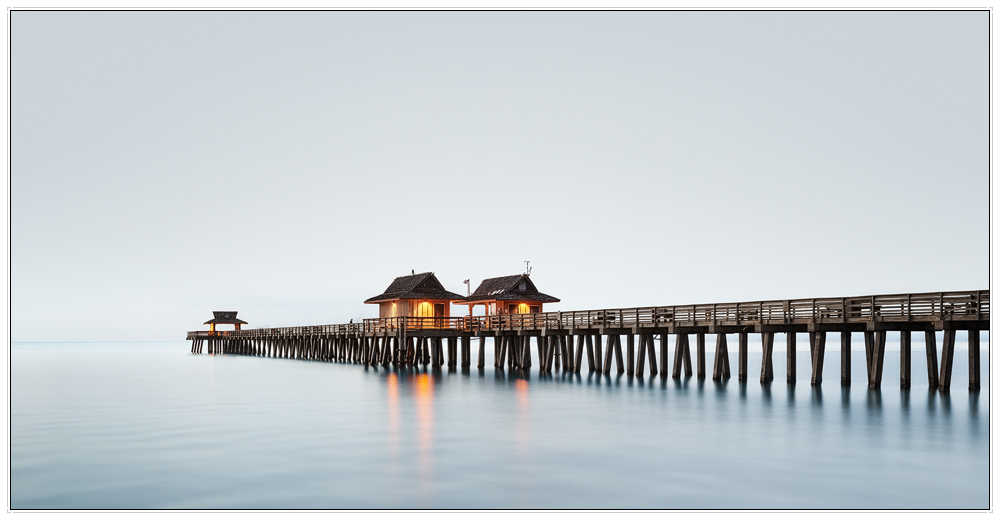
224,318
513,294
419,295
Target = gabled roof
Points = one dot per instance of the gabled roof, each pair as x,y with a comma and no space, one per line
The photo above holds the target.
415,287
509,288
225,318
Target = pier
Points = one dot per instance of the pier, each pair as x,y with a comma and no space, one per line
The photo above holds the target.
563,340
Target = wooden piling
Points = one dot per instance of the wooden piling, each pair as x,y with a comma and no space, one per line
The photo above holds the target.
869,349
766,366
597,353
682,356
700,340
630,351
930,346
619,362
877,359
591,360
651,348
664,348
790,356
818,354
579,354
947,358
904,359
641,356
743,354
845,358
974,382
481,362
720,368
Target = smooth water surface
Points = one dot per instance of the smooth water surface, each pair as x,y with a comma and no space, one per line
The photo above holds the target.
153,426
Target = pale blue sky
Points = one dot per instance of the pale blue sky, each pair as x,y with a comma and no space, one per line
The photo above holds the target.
290,165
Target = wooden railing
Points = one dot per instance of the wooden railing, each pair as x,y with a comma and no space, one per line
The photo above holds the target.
968,305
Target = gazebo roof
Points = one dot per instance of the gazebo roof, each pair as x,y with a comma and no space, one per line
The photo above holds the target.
225,318
415,287
509,288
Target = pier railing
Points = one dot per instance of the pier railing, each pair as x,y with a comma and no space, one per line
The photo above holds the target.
941,306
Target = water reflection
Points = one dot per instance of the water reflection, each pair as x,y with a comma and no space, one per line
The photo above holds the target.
424,397
523,416
874,400
817,395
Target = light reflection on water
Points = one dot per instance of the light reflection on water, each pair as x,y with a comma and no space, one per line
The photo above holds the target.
156,427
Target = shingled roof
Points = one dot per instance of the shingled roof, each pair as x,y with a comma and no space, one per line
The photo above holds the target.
415,287
509,288
225,318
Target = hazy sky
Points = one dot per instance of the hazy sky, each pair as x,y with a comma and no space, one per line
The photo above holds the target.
289,165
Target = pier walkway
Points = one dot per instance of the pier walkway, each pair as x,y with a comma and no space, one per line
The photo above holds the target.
563,339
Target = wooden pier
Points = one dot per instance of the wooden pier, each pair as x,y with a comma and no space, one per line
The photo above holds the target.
563,339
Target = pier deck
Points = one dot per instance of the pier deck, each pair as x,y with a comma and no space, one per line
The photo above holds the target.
405,341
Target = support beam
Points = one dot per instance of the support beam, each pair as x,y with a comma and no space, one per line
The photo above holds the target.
630,353
766,366
869,349
845,358
904,359
682,356
818,350
930,345
640,362
878,357
974,382
743,354
597,353
608,355
700,339
664,347
579,354
947,358
651,348
790,356
591,360
720,369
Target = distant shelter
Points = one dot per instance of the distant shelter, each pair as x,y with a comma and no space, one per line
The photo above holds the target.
420,295
224,318
513,294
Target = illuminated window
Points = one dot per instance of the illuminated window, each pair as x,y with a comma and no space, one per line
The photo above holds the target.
425,310
522,308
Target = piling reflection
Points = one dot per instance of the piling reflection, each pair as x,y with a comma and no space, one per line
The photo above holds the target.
874,400
817,395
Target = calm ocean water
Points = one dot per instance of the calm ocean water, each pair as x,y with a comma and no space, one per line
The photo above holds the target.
152,426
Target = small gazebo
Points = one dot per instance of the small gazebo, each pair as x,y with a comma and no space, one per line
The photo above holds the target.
224,318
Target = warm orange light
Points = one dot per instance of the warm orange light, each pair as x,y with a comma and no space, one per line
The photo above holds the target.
523,309
424,396
425,309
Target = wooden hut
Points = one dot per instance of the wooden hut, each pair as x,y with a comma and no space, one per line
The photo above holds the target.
513,294
224,318
419,295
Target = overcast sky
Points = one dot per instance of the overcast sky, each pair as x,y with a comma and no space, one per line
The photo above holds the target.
289,165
